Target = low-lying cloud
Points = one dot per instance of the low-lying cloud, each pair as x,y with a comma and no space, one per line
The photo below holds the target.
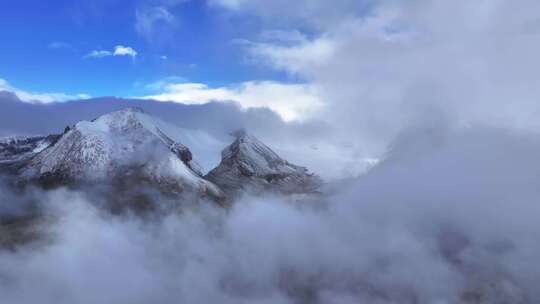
448,217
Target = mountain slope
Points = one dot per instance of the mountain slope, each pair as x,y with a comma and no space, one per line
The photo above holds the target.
13,149
249,165
122,145
129,150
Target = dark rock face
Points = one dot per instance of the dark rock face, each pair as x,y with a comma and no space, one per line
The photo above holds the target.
249,165
182,152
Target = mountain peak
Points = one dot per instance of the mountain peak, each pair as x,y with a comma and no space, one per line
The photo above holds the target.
249,164
116,146
121,120
253,153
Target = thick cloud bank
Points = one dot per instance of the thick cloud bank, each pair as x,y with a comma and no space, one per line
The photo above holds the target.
448,90
382,65
450,216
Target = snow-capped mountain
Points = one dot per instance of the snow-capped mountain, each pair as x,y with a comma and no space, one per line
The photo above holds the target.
126,144
249,165
127,147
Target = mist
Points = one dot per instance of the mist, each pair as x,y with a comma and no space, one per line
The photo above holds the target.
428,140
449,216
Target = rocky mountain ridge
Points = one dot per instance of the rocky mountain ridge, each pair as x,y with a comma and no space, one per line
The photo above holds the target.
128,147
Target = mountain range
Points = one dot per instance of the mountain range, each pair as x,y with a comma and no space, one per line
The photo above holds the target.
128,149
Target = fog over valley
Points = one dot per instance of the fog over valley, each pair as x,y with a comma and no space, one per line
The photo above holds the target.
270,152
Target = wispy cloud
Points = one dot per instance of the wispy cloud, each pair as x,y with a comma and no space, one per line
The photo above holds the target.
148,18
119,50
290,101
33,97
98,54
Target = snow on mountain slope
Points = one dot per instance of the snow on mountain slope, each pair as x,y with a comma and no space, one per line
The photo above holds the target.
248,164
114,144
127,147
13,149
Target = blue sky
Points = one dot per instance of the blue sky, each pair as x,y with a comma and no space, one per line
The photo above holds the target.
45,44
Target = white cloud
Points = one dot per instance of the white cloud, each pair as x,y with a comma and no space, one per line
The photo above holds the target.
294,58
33,97
119,50
384,67
283,36
290,101
162,84
98,54
316,13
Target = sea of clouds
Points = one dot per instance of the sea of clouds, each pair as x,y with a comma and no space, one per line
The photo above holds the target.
443,93
449,216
